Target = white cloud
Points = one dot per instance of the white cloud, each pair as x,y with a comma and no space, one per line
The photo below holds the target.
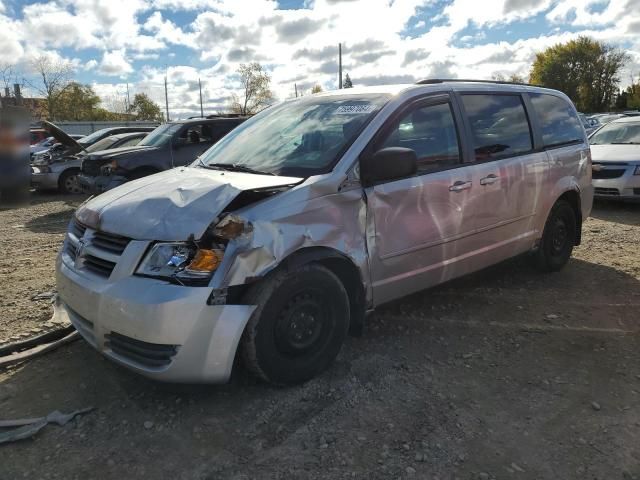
91,64
300,46
114,63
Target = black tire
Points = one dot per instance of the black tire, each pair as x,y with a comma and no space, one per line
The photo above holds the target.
558,238
68,182
298,327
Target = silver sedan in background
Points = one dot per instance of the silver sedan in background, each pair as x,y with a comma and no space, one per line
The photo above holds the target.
62,175
615,151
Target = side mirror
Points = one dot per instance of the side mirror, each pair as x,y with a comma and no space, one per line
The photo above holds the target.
388,164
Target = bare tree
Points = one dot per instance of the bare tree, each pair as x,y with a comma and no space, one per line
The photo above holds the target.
53,77
256,90
7,75
115,104
317,88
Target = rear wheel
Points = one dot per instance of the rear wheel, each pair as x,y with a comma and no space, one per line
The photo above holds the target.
68,182
298,327
558,239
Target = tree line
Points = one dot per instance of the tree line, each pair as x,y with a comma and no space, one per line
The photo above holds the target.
66,99
587,70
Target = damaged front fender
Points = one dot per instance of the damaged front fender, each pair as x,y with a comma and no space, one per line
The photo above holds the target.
296,222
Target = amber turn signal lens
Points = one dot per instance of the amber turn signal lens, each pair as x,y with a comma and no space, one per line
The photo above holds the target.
205,261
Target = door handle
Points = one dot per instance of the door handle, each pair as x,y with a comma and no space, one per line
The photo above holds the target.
489,180
460,186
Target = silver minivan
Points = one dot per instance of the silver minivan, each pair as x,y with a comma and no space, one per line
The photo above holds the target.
278,240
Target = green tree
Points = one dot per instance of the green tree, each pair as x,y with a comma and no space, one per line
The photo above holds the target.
585,69
256,90
621,100
347,82
316,89
76,102
633,95
145,109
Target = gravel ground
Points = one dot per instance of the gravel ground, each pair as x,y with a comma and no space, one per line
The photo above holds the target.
503,374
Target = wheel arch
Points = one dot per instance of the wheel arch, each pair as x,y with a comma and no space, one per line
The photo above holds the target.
572,197
345,269
65,172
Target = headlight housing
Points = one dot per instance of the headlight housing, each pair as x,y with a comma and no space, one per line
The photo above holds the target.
182,262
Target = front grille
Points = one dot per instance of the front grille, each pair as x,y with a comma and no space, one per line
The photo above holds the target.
606,191
108,241
77,229
98,265
606,174
90,167
636,191
72,250
153,355
95,251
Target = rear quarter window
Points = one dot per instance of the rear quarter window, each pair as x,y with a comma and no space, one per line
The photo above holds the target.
499,125
558,120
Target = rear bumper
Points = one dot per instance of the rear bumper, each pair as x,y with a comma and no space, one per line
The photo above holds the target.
159,330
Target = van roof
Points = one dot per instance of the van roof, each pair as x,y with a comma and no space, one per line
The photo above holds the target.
437,84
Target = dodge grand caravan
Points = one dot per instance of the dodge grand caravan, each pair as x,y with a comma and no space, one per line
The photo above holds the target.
278,240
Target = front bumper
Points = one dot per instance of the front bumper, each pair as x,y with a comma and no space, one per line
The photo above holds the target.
162,331
625,187
43,180
102,183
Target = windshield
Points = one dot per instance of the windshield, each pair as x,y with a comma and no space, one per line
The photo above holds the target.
296,138
94,137
617,133
103,144
160,135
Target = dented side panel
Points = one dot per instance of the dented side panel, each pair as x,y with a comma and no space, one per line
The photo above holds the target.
336,221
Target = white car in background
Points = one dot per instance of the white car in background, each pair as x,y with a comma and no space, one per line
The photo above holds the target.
615,151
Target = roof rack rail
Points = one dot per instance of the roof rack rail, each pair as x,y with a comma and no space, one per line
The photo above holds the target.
226,115
432,81
220,115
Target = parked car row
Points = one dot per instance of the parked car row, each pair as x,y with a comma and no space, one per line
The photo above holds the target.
59,165
112,156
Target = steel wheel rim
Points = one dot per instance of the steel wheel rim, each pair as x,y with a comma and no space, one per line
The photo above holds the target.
71,184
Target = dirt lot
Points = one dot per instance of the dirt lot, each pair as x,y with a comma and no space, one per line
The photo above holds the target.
504,374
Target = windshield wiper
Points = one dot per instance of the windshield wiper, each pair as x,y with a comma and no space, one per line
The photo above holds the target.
234,167
625,143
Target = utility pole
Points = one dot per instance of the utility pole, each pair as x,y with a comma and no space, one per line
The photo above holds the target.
128,100
200,86
340,65
166,97
295,85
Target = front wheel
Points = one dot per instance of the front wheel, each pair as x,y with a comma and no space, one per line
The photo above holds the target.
298,327
68,182
558,239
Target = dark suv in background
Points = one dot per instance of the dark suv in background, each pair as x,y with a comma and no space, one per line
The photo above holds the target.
170,145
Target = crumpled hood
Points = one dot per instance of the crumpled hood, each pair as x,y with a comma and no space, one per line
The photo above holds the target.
62,137
171,205
615,153
118,152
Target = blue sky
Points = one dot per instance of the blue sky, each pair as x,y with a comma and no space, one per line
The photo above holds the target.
117,42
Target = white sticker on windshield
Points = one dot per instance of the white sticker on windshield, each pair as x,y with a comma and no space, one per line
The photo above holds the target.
354,109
